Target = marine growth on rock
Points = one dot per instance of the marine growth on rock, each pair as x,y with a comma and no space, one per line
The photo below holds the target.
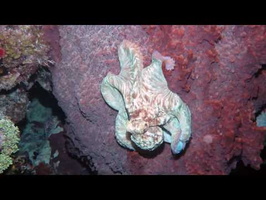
22,51
148,112
9,138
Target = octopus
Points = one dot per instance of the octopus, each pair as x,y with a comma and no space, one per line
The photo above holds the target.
149,113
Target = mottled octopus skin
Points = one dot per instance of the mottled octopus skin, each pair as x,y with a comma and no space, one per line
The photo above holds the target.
145,103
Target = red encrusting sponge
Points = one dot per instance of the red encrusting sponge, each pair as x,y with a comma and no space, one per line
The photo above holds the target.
2,53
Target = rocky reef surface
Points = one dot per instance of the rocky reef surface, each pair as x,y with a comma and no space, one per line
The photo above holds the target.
219,72
29,113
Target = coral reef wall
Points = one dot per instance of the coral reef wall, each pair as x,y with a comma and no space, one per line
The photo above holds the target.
23,51
219,73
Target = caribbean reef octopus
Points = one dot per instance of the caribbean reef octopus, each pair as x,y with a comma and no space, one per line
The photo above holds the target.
148,112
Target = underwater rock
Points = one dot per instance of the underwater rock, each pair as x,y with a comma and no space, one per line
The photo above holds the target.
218,72
23,58
25,51
13,104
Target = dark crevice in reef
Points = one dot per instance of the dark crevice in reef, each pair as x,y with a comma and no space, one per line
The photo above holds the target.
67,164
47,99
21,124
241,169
260,110
6,92
87,161
234,159
260,71
84,161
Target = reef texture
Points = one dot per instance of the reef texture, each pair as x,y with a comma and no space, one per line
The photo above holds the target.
219,72
13,104
23,50
9,138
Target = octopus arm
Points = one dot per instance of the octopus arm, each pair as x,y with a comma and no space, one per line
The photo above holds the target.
182,113
120,130
171,130
131,60
111,93
153,77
